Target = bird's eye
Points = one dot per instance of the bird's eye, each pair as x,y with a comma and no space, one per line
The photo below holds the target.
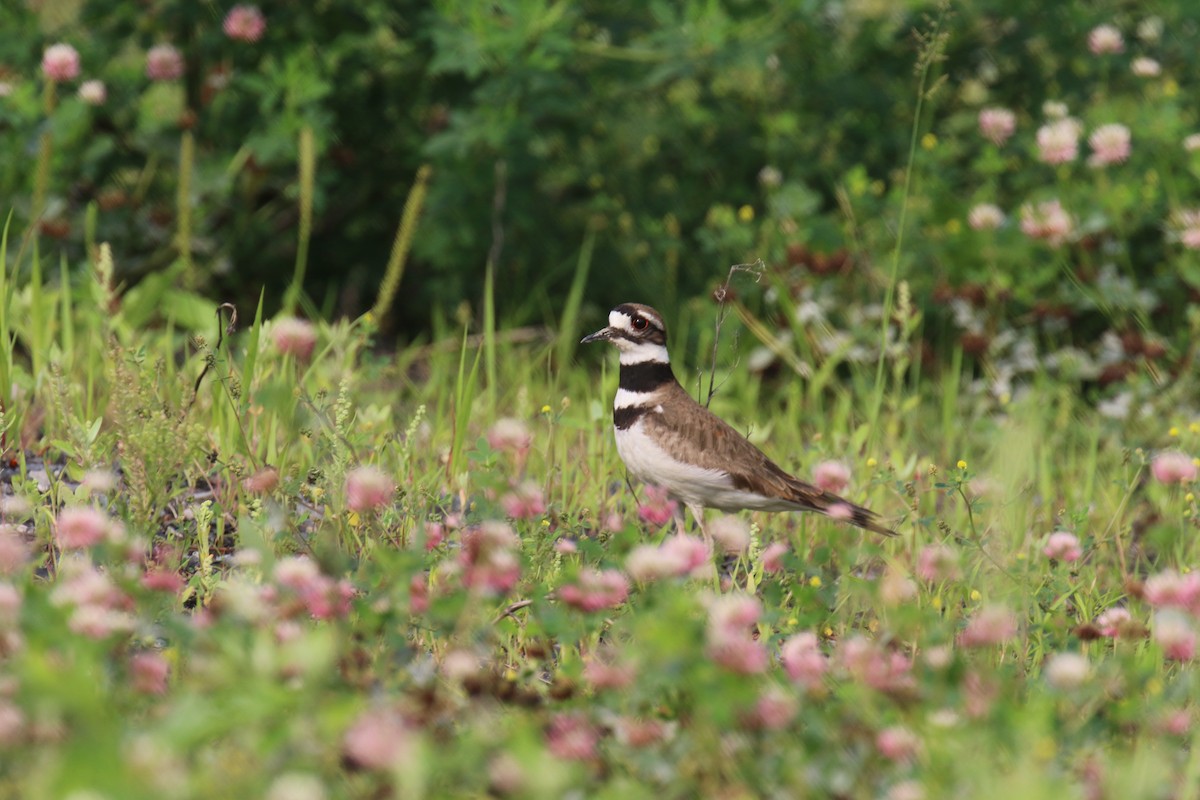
640,323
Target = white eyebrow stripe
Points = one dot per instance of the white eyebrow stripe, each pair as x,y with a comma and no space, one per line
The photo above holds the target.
623,321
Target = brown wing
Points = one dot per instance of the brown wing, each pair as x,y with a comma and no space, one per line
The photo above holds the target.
714,444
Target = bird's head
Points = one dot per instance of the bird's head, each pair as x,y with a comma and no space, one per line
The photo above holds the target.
636,330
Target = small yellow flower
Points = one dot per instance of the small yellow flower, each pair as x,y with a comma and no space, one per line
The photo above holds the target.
354,519
1189,497
815,581
546,409
1021,556
872,463
1154,686
1196,461
746,213
545,523
975,595
1173,431
510,674
936,602
929,141
961,464
792,622
827,632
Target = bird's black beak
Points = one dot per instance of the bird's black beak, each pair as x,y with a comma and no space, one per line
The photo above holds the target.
601,335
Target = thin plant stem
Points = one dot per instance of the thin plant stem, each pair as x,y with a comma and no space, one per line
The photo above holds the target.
183,203
930,54
401,245
41,175
722,294
308,167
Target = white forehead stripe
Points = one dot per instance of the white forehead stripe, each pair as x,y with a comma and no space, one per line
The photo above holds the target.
619,319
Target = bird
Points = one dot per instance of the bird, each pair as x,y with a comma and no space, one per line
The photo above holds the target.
668,439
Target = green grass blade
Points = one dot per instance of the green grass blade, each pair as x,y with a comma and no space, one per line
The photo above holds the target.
489,330
6,336
252,337
568,323
464,397
307,178
67,319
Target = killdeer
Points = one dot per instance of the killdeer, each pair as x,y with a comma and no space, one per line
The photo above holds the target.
668,439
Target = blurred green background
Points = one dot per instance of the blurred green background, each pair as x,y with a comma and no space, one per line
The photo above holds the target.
678,138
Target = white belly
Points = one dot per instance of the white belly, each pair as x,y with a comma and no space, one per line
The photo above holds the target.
694,486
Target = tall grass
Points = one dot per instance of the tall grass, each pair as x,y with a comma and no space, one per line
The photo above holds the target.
1047,463
932,44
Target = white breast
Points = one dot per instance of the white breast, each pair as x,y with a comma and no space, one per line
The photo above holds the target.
695,486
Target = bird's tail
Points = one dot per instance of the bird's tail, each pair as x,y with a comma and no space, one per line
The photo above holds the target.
842,509
807,496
